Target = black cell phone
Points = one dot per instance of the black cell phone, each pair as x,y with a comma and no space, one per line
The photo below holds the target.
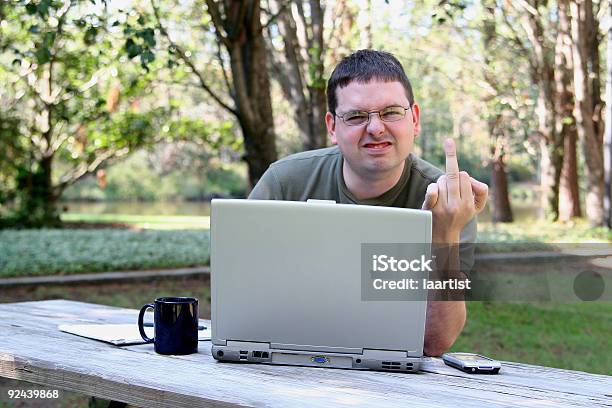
472,363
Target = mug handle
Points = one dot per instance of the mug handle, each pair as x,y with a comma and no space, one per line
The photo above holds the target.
141,322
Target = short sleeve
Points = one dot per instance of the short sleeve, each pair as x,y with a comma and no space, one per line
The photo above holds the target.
267,188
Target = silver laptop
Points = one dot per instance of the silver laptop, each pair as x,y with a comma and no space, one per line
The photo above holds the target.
287,287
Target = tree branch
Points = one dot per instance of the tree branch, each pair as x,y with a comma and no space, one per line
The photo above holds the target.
213,9
222,63
60,140
236,25
304,27
85,168
190,63
515,36
528,7
275,16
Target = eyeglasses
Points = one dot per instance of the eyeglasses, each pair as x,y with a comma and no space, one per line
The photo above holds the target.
388,114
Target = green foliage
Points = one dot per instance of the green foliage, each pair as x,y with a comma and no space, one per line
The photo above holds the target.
65,108
445,58
140,38
448,10
52,251
171,172
314,79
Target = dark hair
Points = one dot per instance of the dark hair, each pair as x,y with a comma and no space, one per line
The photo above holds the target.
363,66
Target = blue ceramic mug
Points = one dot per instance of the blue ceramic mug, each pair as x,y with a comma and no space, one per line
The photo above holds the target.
175,322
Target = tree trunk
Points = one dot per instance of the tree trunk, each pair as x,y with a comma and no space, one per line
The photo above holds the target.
316,82
551,159
608,134
248,60
569,197
502,211
49,198
587,111
551,143
301,70
36,206
240,30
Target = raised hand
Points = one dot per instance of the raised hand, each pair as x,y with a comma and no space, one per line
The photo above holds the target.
454,199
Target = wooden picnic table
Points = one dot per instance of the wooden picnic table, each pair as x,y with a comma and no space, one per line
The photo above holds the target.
33,349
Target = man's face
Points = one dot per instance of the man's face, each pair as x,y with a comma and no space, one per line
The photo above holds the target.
378,148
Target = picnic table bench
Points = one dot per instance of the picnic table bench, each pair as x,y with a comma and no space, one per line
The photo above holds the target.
33,349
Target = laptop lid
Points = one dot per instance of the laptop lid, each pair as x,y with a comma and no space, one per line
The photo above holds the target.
290,274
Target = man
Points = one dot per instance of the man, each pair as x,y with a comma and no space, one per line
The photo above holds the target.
373,120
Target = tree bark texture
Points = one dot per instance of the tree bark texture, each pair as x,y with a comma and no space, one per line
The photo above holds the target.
588,103
502,211
569,194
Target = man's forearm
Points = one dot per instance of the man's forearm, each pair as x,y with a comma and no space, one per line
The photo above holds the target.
445,320
446,317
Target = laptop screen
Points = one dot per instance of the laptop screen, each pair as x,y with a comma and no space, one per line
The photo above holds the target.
292,274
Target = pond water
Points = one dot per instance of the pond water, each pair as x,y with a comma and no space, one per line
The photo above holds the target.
521,212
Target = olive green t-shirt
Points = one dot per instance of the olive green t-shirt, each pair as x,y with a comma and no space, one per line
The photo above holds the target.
317,174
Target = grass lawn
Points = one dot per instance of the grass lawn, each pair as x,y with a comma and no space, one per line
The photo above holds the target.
542,231
69,251
181,241
575,336
129,294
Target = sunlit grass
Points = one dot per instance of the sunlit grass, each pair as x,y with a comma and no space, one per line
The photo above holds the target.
530,230
573,336
155,222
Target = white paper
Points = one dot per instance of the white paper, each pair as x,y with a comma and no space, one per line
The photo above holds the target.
117,334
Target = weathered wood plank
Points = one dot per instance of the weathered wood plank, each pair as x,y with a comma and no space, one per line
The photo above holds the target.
32,349
114,276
